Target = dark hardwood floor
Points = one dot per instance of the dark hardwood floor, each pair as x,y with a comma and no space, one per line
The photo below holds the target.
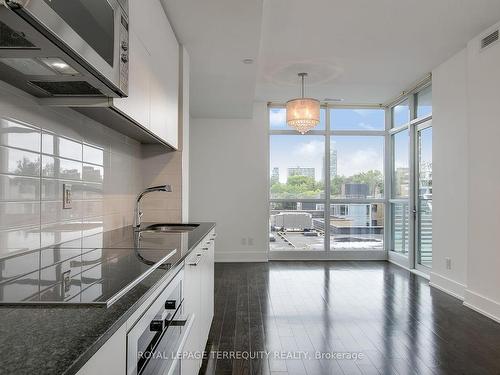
268,313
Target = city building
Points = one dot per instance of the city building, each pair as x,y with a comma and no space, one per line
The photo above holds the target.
275,175
301,171
333,165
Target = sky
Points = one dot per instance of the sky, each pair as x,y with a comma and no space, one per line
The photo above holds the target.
355,154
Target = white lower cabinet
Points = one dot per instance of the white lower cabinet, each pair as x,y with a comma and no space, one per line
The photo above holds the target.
192,305
198,292
207,286
111,358
199,300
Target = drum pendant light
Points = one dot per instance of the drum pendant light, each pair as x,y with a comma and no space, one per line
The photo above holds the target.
302,114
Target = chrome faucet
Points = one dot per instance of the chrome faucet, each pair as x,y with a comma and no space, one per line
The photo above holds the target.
138,212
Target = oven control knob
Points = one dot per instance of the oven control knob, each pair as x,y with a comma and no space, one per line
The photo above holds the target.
124,45
170,304
156,326
124,57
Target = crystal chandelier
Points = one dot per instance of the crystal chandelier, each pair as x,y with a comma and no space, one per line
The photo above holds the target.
302,114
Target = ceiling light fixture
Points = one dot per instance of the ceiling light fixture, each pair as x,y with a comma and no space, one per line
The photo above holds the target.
302,114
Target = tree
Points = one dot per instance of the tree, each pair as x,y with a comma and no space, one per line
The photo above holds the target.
372,178
307,187
297,186
336,185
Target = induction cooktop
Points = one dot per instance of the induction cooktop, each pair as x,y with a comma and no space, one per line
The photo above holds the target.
93,270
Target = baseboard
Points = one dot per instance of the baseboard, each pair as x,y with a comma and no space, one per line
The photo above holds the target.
412,270
398,264
447,285
240,256
482,305
421,274
327,255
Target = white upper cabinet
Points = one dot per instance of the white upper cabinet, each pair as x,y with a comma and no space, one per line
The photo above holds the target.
153,100
137,104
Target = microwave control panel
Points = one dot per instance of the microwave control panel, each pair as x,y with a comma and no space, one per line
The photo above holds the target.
124,55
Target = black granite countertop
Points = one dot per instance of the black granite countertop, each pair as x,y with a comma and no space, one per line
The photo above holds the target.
60,339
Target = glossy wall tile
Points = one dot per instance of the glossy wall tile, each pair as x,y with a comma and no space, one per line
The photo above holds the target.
19,188
43,148
19,162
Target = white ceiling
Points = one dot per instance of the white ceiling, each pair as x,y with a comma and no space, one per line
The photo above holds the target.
218,35
362,51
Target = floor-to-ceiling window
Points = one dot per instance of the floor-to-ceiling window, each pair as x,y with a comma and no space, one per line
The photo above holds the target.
327,187
411,179
361,181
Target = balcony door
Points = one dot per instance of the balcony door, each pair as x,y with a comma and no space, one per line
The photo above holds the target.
410,200
423,196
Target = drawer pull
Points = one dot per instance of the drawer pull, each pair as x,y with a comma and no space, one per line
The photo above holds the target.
195,263
156,326
170,304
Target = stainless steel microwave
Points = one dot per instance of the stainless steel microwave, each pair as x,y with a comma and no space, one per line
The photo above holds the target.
65,48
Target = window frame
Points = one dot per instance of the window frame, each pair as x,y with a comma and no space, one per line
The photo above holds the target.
329,252
408,260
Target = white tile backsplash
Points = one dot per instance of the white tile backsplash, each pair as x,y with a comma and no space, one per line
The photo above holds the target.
40,149
19,162
16,134
52,189
43,147
60,146
19,188
61,232
17,214
93,155
52,212
20,239
92,173
162,168
56,167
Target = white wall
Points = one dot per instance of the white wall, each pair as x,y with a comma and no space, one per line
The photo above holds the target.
466,176
450,174
184,113
228,182
483,270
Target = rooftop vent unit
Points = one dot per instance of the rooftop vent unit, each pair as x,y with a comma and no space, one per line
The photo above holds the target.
490,39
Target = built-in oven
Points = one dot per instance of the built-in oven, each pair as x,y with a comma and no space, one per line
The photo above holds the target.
156,341
65,48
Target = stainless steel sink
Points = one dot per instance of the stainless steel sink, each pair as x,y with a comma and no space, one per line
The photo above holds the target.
170,228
